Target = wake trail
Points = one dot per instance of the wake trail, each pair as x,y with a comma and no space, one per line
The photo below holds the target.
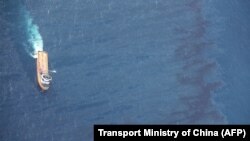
35,41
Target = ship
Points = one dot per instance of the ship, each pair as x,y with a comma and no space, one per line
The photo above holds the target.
43,77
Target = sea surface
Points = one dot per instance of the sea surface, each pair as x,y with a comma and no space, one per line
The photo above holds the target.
122,62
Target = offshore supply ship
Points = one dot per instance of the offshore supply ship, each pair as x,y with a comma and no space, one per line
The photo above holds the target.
43,77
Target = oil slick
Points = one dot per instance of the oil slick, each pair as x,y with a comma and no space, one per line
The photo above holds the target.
198,71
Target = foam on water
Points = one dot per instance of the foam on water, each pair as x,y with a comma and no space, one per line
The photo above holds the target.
35,41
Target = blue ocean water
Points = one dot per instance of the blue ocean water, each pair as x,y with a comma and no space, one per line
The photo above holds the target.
122,62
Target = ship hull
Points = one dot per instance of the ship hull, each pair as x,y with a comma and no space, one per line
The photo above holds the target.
42,68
